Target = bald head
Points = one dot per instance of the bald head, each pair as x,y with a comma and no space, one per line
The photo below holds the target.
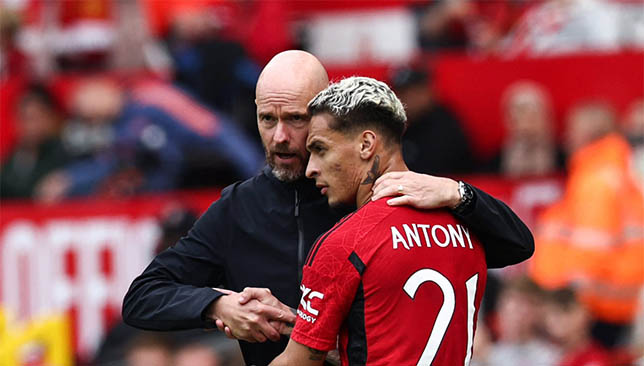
294,70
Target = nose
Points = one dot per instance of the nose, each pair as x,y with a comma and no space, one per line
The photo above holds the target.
281,133
312,169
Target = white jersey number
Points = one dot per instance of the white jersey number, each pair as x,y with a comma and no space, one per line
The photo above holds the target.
446,311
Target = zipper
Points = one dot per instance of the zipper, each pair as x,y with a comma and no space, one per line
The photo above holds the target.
300,238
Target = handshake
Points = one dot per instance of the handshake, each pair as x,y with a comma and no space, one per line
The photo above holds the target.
253,315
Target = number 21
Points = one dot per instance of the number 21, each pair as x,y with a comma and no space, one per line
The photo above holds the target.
446,311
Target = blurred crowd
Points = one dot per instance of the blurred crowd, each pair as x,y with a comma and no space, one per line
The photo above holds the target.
147,112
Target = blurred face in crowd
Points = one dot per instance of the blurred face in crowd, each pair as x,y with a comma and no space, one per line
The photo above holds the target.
98,102
335,161
634,121
286,85
417,98
37,122
527,114
566,324
518,314
200,355
149,355
586,123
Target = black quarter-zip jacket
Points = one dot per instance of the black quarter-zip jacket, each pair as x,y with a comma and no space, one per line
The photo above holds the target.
257,235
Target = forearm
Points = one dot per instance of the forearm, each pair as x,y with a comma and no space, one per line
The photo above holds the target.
156,302
297,354
506,238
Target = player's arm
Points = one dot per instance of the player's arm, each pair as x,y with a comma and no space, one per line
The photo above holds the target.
507,240
299,355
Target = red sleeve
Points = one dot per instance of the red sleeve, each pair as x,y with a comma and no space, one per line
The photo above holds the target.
329,285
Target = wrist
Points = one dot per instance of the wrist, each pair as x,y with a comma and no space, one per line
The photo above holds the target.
208,315
466,198
215,308
453,194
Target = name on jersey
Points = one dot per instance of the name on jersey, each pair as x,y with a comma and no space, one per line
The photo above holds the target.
424,235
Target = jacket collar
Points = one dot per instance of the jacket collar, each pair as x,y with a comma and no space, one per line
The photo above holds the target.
305,187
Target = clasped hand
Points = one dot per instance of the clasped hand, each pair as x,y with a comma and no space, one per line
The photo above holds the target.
253,315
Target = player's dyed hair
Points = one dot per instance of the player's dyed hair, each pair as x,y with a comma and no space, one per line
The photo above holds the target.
359,102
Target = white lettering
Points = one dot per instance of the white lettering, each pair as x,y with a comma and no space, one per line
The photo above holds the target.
445,233
456,235
396,237
36,256
306,317
467,235
412,234
424,228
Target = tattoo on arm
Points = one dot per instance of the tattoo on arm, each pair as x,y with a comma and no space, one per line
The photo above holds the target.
373,174
316,355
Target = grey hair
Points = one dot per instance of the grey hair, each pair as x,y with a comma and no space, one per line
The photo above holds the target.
360,102
349,94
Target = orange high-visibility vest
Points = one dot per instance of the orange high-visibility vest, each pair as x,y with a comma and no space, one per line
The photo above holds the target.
594,237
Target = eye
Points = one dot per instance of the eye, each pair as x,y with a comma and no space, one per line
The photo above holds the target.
267,118
299,119
317,149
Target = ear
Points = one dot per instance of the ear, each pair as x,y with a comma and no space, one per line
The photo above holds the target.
368,140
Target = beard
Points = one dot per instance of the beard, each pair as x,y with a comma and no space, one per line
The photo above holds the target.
286,172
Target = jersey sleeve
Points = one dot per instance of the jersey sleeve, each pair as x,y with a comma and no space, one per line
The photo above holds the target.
329,285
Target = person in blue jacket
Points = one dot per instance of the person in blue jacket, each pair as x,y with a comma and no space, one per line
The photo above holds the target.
239,267
143,137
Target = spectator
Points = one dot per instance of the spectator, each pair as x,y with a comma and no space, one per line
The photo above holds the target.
633,128
529,148
434,142
196,354
208,350
442,25
593,238
568,323
39,150
214,67
519,314
140,141
149,349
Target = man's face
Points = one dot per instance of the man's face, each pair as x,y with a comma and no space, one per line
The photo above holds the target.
283,124
334,161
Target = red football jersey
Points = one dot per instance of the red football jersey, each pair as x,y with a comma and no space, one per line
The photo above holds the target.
399,286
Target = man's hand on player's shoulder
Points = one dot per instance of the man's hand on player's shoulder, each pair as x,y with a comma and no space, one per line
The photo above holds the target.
418,190
248,318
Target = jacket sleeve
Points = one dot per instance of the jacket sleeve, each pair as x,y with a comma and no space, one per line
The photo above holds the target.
175,289
506,238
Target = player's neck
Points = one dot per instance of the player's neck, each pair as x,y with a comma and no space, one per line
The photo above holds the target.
380,164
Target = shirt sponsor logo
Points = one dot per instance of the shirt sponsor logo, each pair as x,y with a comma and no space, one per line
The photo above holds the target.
422,235
305,303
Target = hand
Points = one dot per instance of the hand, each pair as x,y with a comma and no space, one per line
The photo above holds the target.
248,321
418,190
285,324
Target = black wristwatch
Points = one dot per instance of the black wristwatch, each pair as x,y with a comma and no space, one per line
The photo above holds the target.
467,195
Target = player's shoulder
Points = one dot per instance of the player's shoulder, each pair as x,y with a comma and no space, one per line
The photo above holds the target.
361,220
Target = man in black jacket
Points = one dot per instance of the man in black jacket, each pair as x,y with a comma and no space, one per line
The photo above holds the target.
260,230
